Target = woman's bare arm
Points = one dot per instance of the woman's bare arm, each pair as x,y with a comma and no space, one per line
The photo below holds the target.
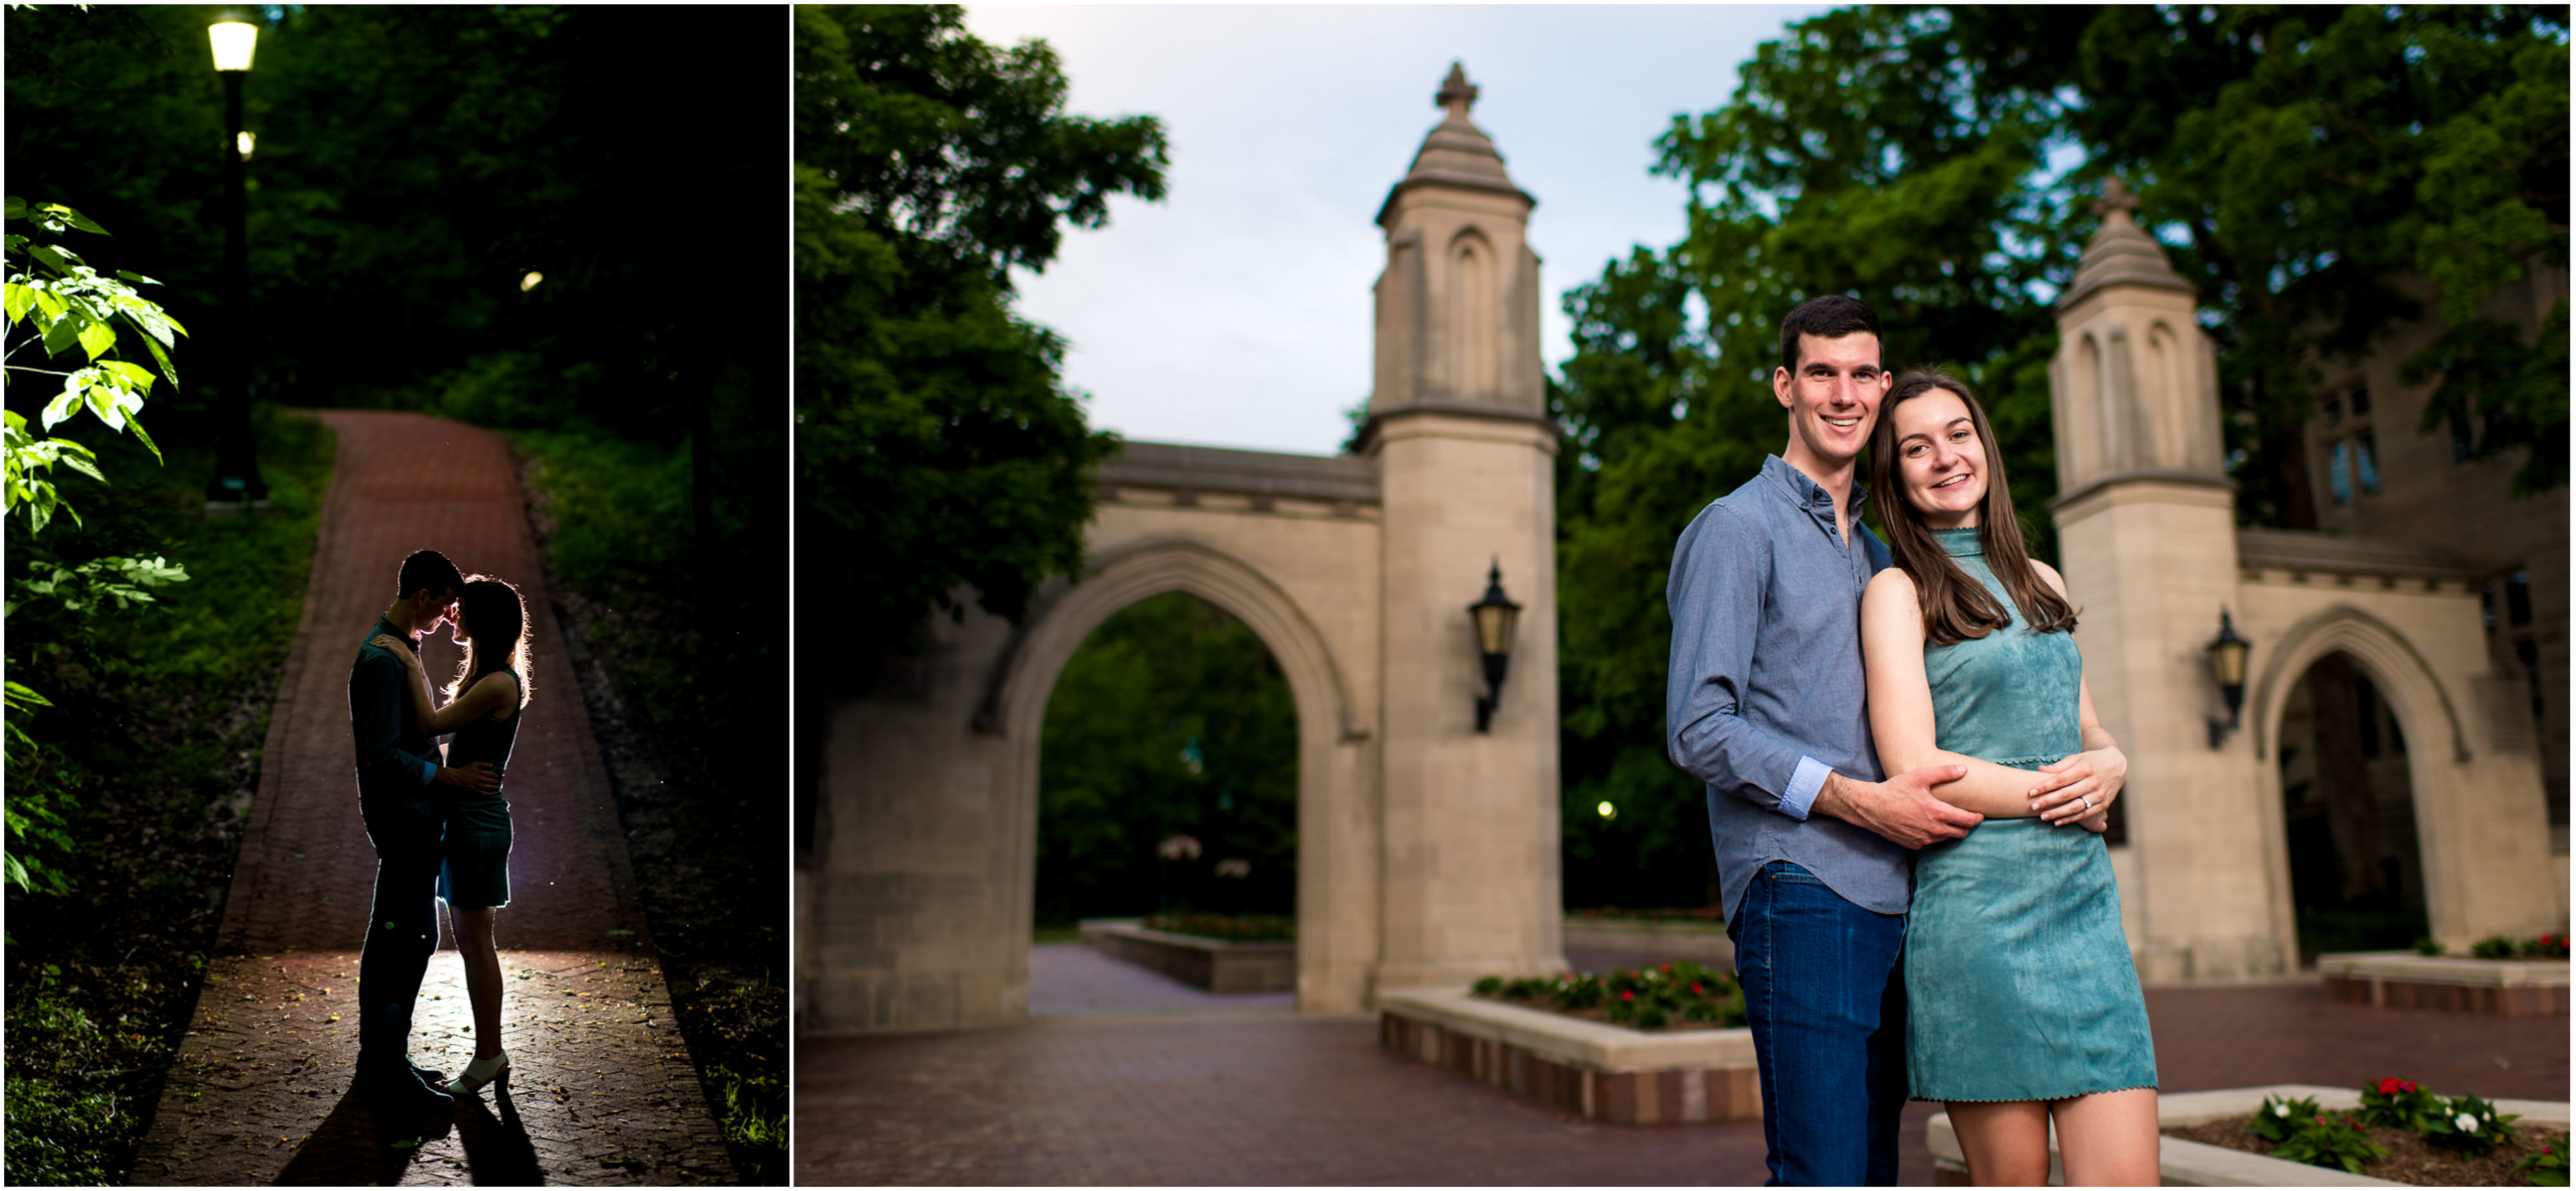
1900,706
490,693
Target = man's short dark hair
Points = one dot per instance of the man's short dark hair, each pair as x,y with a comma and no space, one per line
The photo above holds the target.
1830,317
428,570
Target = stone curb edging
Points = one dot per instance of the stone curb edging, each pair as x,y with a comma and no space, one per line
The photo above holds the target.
1594,1071
2405,980
2198,1164
1216,965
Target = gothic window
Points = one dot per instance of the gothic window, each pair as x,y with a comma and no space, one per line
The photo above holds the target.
1474,310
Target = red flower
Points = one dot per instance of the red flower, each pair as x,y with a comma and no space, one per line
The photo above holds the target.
1668,969
1696,990
1627,996
2393,1085
2321,1120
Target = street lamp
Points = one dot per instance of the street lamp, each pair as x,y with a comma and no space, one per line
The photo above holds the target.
2227,665
1494,617
237,481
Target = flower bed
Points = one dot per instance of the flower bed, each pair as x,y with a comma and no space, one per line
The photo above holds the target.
1233,928
2402,1132
1681,995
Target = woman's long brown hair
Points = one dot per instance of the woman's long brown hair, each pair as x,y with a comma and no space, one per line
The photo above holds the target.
498,618
1955,606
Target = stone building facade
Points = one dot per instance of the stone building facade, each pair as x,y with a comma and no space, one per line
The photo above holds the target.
2388,731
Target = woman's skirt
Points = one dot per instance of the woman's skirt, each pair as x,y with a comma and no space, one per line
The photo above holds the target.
2018,984
475,869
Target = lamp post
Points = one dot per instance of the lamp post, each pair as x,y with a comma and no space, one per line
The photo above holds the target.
1494,617
2227,665
237,481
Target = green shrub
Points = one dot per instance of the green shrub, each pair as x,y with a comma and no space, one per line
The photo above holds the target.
2470,1125
2399,1105
2428,945
2492,947
2333,1140
2548,1168
2277,1119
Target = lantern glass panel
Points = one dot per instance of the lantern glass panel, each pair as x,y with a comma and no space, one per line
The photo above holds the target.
2227,661
234,43
1494,627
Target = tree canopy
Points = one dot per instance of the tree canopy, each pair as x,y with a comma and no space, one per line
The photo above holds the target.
2320,174
937,446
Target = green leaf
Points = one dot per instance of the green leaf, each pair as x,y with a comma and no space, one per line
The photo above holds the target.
62,260
136,425
62,334
164,358
135,374
96,337
15,207
50,302
17,300
65,405
74,218
136,278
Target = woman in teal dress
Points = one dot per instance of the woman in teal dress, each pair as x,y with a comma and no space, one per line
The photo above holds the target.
482,710
2022,1004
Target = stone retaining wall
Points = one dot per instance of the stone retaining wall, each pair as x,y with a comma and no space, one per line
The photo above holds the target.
2403,980
1594,1071
1212,964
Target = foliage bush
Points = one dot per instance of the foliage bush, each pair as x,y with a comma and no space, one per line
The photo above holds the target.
2399,1104
2547,1168
153,745
2276,1118
2332,1140
1171,718
1647,998
2470,1125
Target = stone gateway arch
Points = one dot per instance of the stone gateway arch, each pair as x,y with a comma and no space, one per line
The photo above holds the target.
1427,851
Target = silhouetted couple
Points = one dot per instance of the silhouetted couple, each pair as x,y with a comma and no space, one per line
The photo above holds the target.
439,824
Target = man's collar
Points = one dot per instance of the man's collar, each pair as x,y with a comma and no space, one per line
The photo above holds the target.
1802,488
395,631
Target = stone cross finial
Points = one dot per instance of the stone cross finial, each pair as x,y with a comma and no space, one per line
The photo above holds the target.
2115,197
1456,93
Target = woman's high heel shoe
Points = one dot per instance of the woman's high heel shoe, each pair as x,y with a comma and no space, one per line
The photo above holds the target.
480,1072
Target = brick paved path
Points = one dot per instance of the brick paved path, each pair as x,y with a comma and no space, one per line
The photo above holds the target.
1270,1098
603,1089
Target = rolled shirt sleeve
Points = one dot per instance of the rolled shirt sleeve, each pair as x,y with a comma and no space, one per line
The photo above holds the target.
1721,571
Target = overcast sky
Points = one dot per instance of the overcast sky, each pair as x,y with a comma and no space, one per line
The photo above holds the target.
1236,312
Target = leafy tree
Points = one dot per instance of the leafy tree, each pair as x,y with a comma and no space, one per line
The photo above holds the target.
1171,719
937,447
2315,172
69,309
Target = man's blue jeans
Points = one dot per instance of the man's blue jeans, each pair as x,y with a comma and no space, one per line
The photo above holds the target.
1827,1001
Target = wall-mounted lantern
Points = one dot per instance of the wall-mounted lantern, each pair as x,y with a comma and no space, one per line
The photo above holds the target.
1494,618
2227,665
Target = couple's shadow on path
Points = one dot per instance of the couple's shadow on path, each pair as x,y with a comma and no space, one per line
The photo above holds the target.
359,1145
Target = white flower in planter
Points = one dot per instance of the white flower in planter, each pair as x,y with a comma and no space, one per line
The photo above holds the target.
2281,1110
2467,1123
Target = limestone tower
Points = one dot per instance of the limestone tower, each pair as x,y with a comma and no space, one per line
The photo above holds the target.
2147,538
1459,430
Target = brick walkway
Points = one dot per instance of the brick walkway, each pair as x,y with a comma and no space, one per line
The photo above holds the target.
1216,1098
603,1091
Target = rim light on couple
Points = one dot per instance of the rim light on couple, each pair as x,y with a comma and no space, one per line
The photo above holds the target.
1907,785
440,826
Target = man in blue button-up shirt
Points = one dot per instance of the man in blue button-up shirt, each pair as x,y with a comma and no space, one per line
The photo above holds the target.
1767,704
